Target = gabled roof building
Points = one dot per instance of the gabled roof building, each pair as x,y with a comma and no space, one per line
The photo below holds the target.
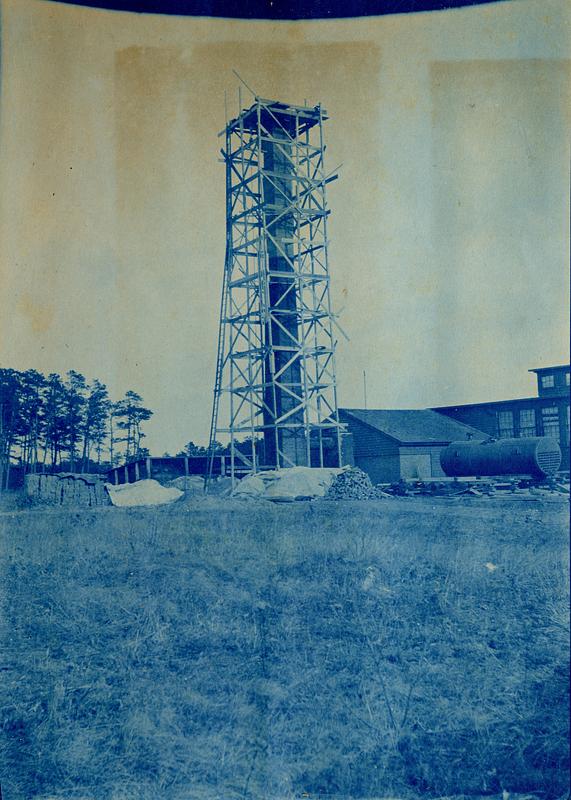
389,445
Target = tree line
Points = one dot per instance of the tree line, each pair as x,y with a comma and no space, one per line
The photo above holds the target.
244,446
66,423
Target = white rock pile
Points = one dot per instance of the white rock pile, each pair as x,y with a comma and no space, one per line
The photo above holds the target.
142,493
293,483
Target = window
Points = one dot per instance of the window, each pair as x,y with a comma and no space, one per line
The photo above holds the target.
567,426
551,422
505,424
527,422
566,379
547,381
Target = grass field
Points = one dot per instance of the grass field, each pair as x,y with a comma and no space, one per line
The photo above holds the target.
401,648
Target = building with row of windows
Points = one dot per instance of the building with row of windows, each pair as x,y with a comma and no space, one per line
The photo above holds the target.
544,415
393,444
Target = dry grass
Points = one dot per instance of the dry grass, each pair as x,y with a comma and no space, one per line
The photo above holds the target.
351,651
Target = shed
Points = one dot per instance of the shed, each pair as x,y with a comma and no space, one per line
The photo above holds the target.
394,444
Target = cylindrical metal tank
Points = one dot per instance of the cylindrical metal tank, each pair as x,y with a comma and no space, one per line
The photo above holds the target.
536,456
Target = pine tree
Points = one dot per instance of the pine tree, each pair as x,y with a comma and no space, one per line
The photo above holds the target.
54,419
94,429
29,421
9,409
130,414
75,407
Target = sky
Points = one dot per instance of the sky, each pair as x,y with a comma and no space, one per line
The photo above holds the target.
449,223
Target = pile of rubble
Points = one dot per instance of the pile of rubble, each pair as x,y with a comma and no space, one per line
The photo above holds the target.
477,487
352,484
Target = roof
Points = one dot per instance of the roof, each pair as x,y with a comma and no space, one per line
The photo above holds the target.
534,401
273,113
415,426
550,369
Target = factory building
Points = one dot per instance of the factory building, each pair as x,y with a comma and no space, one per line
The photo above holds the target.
544,415
389,445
